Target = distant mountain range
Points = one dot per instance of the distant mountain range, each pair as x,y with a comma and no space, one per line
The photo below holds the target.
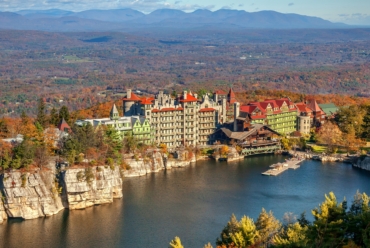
126,19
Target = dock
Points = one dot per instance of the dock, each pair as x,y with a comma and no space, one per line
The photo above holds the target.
277,169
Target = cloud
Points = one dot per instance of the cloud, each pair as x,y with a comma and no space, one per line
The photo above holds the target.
355,18
241,5
80,5
226,7
290,4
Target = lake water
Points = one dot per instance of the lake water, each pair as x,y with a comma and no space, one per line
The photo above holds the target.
193,203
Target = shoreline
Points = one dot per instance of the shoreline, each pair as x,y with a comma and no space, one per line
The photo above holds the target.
42,193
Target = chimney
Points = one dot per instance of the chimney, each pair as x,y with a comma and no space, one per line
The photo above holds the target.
185,94
129,93
196,95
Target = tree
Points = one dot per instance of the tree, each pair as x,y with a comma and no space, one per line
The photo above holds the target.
293,236
63,114
330,135
231,228
366,124
176,243
328,229
302,220
224,150
41,156
350,119
268,226
54,117
247,234
41,113
359,220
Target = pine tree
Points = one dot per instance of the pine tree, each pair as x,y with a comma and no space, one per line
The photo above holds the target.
64,113
293,236
176,243
329,227
247,234
267,226
231,228
366,124
41,114
54,117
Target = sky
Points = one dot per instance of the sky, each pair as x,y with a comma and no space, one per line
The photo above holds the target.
346,11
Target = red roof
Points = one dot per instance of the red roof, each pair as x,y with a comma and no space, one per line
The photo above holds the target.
258,117
155,110
312,104
262,106
302,107
189,98
207,110
147,100
133,97
167,109
220,92
231,93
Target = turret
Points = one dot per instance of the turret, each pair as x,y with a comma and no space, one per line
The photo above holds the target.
236,115
114,115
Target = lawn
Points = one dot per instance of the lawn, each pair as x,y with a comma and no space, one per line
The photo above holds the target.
318,149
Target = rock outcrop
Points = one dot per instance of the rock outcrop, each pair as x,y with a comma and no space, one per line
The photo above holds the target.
85,187
143,166
362,163
27,196
3,215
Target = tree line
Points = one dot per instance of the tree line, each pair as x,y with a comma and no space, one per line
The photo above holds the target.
334,225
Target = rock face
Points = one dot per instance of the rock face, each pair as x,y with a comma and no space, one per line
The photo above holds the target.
91,186
141,167
3,215
27,196
362,163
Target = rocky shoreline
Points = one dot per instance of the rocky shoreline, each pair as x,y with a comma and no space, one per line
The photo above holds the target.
41,193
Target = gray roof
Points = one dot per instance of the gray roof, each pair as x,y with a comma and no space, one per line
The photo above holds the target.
243,135
114,110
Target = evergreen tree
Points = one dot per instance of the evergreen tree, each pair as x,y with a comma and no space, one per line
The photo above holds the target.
231,228
176,243
328,229
64,113
302,220
293,236
247,234
359,219
41,113
267,226
54,117
366,124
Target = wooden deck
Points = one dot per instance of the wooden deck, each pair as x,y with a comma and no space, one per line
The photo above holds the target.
281,167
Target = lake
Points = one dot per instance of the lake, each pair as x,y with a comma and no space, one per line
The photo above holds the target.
193,203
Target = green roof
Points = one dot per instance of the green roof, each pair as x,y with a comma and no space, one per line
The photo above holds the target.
329,108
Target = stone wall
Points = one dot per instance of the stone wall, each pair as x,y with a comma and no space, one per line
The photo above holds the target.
85,187
27,196
362,163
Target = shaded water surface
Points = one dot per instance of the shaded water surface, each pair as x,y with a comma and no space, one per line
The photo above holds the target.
194,203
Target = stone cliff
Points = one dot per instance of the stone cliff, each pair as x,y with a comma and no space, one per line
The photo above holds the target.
143,166
3,215
27,196
362,163
85,187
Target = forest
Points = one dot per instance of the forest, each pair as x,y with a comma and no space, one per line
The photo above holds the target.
80,70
